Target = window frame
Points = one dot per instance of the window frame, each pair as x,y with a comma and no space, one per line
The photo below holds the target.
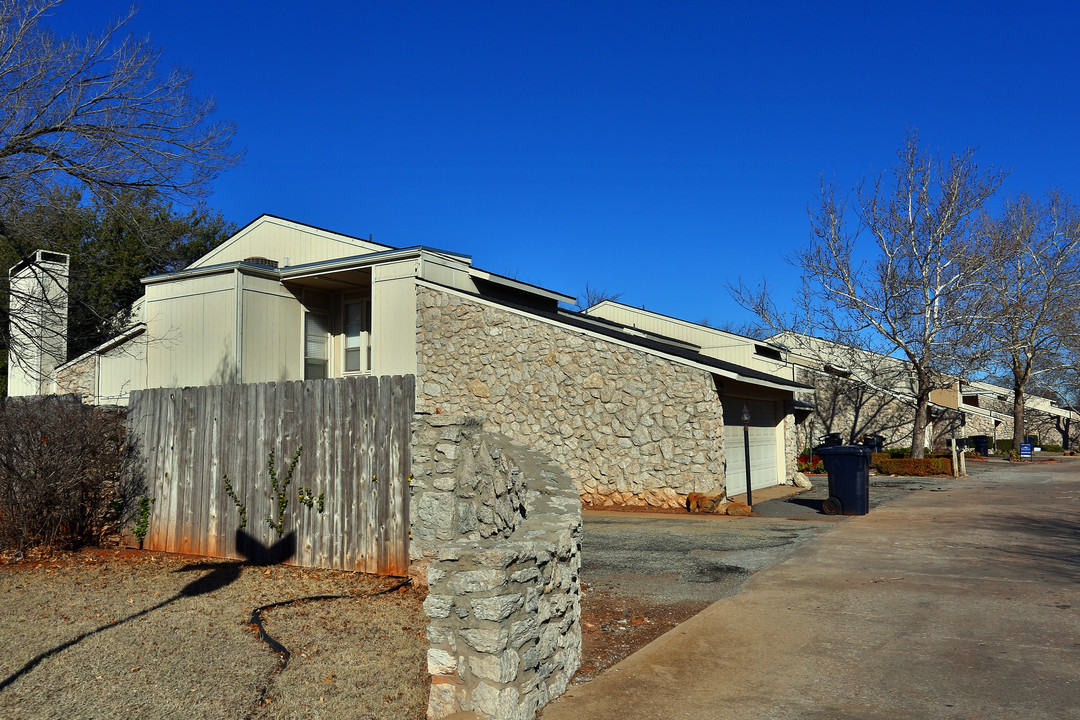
364,335
327,339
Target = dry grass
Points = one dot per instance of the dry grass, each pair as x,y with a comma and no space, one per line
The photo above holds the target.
156,636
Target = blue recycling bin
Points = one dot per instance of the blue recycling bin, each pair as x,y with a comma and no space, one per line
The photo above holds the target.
849,479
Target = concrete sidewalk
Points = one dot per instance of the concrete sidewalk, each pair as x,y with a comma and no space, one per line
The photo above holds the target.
963,603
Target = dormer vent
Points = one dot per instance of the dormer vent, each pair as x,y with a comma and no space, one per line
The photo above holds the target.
265,262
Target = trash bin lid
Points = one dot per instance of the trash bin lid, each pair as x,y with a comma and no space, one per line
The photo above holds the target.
844,450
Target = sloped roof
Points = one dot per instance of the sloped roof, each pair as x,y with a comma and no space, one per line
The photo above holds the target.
676,349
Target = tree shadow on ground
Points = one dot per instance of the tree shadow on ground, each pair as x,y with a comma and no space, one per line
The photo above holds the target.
220,574
1048,544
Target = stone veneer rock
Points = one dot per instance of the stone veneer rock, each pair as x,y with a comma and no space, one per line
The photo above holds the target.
496,531
629,427
78,378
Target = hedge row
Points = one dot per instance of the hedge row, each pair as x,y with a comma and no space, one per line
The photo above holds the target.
914,468
877,458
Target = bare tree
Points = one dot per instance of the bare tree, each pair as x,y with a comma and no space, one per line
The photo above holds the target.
93,114
747,328
1028,309
896,275
594,296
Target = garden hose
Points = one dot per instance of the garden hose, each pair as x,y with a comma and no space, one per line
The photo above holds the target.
283,652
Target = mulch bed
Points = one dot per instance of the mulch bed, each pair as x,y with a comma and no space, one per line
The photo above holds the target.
150,635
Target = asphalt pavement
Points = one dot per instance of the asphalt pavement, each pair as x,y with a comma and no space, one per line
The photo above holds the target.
951,599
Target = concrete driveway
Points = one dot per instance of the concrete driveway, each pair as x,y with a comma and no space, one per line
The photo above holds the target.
671,558
960,600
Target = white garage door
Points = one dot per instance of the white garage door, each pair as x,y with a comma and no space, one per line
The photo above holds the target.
763,419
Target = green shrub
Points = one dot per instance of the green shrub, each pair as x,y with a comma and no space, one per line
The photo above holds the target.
1053,448
916,468
1005,445
904,452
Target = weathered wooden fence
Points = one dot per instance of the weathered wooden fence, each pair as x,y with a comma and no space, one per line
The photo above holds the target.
355,434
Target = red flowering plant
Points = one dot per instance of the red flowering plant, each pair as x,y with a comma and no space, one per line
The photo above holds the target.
808,463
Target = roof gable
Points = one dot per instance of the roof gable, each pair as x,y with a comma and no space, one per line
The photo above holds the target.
287,243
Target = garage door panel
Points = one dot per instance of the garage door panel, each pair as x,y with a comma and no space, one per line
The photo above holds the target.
763,466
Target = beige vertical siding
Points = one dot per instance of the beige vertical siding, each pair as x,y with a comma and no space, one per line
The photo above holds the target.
278,239
713,343
393,319
121,371
191,326
271,333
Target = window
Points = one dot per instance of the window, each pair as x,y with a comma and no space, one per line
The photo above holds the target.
768,352
358,336
316,340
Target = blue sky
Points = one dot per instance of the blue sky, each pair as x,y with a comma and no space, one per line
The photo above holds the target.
653,148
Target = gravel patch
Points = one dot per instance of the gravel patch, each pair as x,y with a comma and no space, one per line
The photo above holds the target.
149,635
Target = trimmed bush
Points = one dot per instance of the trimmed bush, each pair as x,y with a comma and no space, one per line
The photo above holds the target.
1053,448
62,473
877,458
916,468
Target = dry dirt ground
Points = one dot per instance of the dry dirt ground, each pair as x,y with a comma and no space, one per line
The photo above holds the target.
105,634
613,626
128,634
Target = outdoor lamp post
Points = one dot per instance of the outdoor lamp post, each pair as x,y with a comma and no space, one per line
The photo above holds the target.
746,445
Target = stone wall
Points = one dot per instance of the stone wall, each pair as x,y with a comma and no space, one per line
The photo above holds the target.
463,488
1051,429
791,443
79,379
627,426
496,532
854,409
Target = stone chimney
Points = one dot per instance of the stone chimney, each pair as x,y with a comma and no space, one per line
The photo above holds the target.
39,315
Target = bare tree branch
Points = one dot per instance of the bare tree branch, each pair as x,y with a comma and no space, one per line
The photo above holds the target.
1028,307
594,296
895,272
96,113
91,115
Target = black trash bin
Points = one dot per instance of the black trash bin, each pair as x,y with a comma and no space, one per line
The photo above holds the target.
849,479
982,444
876,443
832,440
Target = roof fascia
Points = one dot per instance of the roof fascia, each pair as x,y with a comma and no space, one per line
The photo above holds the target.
522,286
299,272
120,339
244,267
